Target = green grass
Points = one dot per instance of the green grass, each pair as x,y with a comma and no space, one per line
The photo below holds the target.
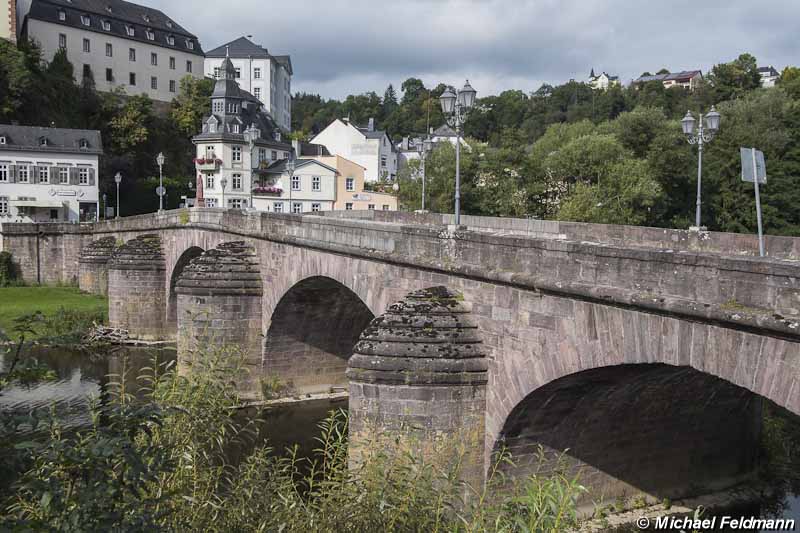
18,301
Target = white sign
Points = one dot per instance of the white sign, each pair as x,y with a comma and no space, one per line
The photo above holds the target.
748,172
362,197
67,193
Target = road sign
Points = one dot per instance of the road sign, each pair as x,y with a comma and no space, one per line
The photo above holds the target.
748,171
161,191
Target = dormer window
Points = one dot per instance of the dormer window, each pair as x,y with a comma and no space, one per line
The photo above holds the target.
150,35
169,24
83,144
62,15
43,141
171,40
106,25
189,44
234,128
130,30
108,8
146,18
86,20
3,140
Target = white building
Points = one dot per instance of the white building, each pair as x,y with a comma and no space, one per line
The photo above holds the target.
366,146
48,174
769,76
121,44
239,140
312,188
265,76
602,81
8,20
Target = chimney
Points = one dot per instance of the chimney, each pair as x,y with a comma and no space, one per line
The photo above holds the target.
371,126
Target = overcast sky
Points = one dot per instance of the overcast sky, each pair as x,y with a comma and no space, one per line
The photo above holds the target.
341,47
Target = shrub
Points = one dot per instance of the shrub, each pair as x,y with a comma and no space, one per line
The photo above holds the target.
8,273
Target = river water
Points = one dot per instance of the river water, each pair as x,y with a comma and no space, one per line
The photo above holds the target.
81,377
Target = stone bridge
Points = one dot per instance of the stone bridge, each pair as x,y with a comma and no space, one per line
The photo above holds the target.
644,352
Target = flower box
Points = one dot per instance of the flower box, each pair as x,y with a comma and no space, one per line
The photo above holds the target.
268,191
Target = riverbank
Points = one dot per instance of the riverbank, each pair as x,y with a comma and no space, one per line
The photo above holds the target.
16,302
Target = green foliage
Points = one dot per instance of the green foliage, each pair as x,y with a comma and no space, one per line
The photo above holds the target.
191,104
8,272
65,313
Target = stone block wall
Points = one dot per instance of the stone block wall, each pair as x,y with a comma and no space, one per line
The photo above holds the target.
136,288
93,265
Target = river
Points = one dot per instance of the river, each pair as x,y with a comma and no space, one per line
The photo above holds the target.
80,377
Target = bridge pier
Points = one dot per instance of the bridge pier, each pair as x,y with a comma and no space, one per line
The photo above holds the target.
418,384
219,310
136,288
93,265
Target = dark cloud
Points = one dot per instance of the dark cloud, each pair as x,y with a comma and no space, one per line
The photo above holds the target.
339,47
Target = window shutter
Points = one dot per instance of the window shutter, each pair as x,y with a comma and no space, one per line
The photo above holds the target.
73,176
33,177
12,173
91,176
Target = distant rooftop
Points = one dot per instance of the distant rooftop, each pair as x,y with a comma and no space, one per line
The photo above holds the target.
244,48
59,140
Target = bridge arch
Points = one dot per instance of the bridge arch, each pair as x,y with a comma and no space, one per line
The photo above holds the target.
181,263
311,334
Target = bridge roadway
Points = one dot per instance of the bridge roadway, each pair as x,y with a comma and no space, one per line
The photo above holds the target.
646,352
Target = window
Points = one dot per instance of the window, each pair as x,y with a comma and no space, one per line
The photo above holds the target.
315,208
130,30
297,207
83,175
83,144
262,154
316,184
44,174
350,184
218,106
371,207
188,66
238,73
109,75
385,207
85,20
348,206
149,34
154,83
170,40
257,73
132,78
54,214
2,140
277,207
237,203
257,92
172,63
190,44
106,25
236,182
237,154
63,175
62,16
154,59
22,173
3,172
210,182
87,45
211,202
43,141
132,54
383,160
209,152
234,128
274,155
87,72
62,40
172,86
109,50
295,183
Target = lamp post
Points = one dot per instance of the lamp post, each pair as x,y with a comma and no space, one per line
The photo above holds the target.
707,129
118,180
424,149
223,183
456,107
290,166
160,191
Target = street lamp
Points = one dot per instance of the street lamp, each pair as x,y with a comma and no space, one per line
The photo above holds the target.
290,166
424,148
160,191
223,183
118,180
456,107
707,129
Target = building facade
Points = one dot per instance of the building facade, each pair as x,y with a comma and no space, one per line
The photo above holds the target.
602,81
350,193
120,44
239,141
8,20
265,76
769,76
365,146
310,188
49,174
687,79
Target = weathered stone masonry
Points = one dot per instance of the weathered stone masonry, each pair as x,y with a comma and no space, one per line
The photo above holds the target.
93,271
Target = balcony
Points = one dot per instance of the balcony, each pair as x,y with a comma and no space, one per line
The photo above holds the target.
267,191
207,165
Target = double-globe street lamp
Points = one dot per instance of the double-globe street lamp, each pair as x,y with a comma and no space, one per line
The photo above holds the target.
118,180
223,183
707,129
423,149
456,107
290,166
160,191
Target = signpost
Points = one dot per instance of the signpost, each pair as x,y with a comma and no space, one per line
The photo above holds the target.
161,191
754,170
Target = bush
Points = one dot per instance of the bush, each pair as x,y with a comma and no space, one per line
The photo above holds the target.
8,272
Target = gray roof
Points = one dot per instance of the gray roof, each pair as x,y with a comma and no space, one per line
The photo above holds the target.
682,75
444,131
119,14
243,48
279,166
59,140
770,70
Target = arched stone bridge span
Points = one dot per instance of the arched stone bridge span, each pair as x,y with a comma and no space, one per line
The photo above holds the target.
641,350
